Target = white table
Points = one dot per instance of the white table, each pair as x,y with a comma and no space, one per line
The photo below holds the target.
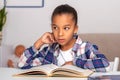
7,74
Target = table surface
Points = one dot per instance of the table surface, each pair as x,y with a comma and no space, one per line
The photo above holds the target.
7,74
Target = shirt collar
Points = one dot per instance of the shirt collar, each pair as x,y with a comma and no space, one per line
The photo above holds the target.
77,44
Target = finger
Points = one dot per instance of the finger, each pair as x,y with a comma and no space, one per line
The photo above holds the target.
49,40
52,37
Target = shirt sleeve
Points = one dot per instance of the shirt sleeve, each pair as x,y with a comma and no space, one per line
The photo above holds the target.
31,57
93,59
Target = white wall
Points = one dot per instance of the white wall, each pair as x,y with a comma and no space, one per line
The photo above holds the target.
26,25
95,16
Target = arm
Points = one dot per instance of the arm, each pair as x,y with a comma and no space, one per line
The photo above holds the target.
26,60
31,56
94,59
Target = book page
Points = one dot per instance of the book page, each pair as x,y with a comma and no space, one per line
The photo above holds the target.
53,70
70,69
43,69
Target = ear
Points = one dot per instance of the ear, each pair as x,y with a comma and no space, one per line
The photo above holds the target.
76,29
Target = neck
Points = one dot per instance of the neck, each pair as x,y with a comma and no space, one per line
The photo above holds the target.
68,46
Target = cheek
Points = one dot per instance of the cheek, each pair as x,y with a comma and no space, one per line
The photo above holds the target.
70,36
70,33
55,34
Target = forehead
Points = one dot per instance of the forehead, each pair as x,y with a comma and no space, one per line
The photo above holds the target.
62,18
63,14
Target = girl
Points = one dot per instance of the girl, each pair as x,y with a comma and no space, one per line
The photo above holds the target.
65,47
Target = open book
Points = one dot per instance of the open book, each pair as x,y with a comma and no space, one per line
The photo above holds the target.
53,70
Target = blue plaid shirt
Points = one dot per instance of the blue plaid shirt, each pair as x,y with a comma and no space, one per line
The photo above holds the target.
86,54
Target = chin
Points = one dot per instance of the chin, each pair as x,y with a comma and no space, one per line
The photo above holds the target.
62,44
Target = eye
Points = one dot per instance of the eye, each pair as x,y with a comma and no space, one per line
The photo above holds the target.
55,27
66,28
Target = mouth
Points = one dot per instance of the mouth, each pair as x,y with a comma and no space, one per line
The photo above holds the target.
61,40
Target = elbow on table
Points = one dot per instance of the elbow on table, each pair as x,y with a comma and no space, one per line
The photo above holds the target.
20,65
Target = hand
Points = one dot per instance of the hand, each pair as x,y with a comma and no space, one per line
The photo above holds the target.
46,38
68,63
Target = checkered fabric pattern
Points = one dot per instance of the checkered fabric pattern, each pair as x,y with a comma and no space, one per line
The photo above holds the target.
87,56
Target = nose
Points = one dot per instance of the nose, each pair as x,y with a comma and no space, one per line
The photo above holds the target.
60,32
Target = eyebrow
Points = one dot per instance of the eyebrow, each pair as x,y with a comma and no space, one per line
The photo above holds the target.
53,24
64,25
67,25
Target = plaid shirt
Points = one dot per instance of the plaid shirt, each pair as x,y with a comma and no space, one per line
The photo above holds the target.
86,54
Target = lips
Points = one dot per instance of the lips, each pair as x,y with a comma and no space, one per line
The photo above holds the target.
61,40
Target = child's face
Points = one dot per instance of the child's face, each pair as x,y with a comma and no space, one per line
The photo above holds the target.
63,28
